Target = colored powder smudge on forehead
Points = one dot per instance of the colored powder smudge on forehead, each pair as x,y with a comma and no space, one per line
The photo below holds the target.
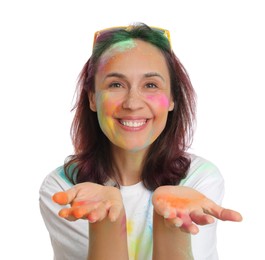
114,50
122,46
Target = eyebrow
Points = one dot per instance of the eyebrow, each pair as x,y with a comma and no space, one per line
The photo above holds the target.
146,75
153,74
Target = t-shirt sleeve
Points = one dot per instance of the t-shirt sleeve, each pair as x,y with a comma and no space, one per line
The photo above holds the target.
206,178
64,234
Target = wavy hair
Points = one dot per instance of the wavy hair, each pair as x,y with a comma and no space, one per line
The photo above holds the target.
167,160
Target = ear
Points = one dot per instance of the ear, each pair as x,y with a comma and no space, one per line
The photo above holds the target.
171,105
92,101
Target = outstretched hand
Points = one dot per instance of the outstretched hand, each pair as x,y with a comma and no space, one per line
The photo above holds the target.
186,208
90,201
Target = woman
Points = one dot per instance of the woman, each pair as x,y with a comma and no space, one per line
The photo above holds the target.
131,176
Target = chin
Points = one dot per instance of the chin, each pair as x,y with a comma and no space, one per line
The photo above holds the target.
133,147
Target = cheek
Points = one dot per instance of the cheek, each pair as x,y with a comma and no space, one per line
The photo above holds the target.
106,109
161,101
105,105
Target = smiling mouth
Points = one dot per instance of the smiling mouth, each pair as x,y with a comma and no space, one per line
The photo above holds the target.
133,123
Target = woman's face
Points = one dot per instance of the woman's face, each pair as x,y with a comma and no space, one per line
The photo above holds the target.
132,94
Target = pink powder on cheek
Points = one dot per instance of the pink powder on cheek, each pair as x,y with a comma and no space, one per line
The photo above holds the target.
162,100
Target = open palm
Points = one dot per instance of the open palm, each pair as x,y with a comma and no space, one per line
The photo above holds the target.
90,201
186,208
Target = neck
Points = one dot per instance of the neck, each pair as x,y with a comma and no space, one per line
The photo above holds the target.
128,165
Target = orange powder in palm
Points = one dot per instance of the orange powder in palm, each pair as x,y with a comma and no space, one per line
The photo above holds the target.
174,202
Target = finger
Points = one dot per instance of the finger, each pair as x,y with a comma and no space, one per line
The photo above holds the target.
98,214
60,198
192,229
185,218
187,226
184,223
81,209
174,222
65,197
79,212
200,218
222,213
163,208
114,212
66,213
160,207
230,215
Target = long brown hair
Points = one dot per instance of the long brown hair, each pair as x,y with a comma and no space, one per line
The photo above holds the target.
167,161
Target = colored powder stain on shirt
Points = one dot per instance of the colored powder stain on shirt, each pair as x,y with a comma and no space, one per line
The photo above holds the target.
204,167
61,173
134,249
132,241
129,226
139,246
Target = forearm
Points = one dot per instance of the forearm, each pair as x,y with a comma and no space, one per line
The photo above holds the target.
170,243
108,240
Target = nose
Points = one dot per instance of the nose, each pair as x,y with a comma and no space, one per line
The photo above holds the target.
133,100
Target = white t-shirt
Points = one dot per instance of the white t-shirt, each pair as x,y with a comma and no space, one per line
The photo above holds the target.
70,239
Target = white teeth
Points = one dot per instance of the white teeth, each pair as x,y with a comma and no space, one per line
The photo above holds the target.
132,123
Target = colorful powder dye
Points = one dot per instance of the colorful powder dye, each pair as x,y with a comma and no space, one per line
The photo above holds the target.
123,46
79,203
115,49
162,100
64,213
129,225
174,202
60,198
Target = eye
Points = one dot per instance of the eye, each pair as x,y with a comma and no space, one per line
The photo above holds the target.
115,85
151,85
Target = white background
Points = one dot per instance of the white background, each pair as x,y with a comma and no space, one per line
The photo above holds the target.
43,46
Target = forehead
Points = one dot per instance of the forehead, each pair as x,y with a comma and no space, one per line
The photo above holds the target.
133,52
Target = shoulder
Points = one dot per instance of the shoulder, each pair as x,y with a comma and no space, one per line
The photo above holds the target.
204,176
55,181
57,227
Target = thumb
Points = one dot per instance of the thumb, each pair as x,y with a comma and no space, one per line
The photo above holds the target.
222,213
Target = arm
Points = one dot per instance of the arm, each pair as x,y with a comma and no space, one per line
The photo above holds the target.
170,242
108,240
103,207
